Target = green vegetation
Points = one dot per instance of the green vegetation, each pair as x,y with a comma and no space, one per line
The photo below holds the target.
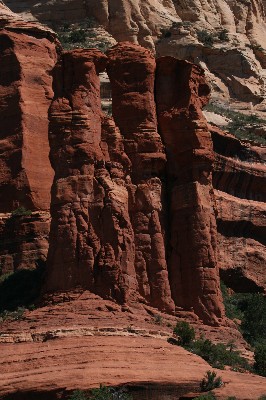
217,355
19,291
239,123
20,212
206,38
210,381
260,359
82,35
250,308
185,333
78,395
101,393
223,35
207,396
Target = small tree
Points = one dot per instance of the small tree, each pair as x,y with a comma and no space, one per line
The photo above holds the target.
210,382
260,359
185,333
78,395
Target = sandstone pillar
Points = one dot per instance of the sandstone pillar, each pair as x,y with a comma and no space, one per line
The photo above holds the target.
194,276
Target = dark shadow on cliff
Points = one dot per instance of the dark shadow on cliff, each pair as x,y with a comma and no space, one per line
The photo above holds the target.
138,391
22,288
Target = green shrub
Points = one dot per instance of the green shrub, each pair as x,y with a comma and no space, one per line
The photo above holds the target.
77,36
185,333
254,318
21,288
223,35
21,212
207,396
109,393
263,397
210,382
78,395
218,355
260,359
239,122
205,37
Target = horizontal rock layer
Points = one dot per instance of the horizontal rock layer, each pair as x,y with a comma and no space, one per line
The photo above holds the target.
239,177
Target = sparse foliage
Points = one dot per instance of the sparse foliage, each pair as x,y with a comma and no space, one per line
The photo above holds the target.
210,381
185,333
206,38
20,212
260,359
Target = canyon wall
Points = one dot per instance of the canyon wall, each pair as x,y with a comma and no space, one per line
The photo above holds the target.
225,37
143,210
111,206
239,182
28,56
25,96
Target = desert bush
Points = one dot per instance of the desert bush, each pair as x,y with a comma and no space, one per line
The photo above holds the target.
20,212
21,288
223,35
218,355
207,396
109,393
210,381
254,318
76,36
260,359
239,123
78,395
185,333
206,38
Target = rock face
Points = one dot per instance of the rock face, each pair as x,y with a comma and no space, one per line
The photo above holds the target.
192,236
227,38
110,211
25,96
239,178
23,241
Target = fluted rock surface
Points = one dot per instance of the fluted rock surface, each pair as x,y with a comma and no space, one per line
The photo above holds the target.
110,211
192,230
25,96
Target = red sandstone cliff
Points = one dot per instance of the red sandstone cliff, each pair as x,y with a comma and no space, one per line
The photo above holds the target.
133,208
28,55
239,179
110,229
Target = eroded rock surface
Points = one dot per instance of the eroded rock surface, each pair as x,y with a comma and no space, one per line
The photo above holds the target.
239,178
192,225
110,213
227,38
25,96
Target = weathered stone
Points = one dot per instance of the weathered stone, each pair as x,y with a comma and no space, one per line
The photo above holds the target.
180,92
25,96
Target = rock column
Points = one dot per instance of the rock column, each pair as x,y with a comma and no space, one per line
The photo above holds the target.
180,92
